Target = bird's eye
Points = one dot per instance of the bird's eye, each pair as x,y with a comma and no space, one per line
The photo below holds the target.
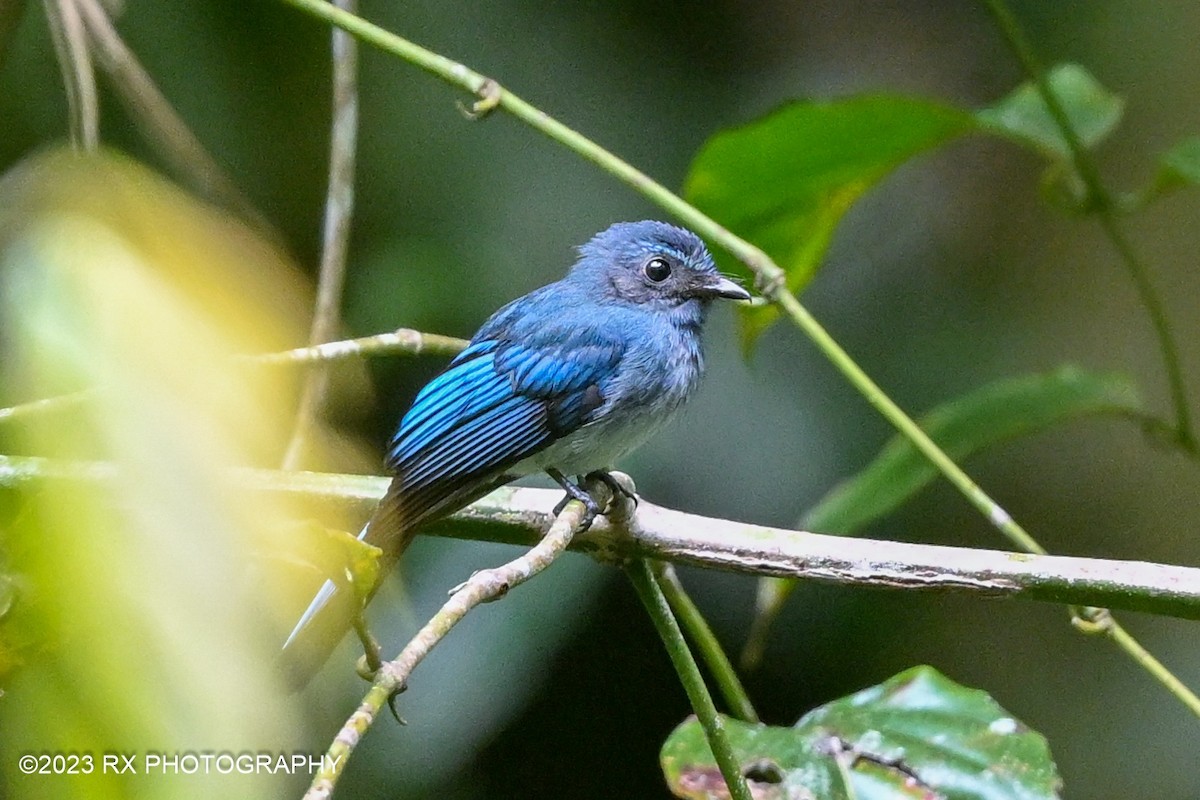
657,269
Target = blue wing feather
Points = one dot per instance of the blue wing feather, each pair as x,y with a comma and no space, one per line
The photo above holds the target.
499,402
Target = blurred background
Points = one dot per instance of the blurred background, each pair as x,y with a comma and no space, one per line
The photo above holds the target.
949,275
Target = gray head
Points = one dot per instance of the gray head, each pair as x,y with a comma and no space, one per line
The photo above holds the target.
655,264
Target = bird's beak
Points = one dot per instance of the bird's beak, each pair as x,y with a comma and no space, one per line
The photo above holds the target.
720,286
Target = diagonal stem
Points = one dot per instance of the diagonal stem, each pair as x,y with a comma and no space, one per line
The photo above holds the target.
482,587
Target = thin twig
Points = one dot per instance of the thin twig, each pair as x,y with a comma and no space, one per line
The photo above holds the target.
1099,201
482,587
404,341
702,634
874,395
75,64
339,208
650,592
158,121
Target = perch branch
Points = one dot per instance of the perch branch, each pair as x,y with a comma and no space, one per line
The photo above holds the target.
519,515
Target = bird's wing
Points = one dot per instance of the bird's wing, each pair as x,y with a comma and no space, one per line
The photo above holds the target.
499,402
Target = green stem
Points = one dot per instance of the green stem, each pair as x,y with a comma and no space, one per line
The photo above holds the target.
1183,433
649,591
1099,200
1100,621
710,648
1148,662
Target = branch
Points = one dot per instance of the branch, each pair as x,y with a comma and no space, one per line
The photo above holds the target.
706,641
518,515
339,206
482,587
402,341
649,589
75,64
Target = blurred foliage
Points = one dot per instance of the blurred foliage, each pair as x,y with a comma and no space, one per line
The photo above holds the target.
144,598
949,274
1092,110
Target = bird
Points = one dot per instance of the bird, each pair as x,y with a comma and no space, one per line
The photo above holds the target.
565,380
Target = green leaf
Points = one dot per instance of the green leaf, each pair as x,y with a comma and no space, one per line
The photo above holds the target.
785,180
1092,110
1181,164
991,414
918,735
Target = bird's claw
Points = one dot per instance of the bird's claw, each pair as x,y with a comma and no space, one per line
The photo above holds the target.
391,702
370,674
591,508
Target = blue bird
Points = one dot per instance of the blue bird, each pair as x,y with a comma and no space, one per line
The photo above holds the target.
565,380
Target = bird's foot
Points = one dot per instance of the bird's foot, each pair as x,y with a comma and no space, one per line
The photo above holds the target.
620,489
591,507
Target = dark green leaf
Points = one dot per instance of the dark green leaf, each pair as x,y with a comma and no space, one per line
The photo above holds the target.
1092,110
965,425
918,735
785,180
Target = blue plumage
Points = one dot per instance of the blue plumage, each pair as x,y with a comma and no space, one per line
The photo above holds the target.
566,379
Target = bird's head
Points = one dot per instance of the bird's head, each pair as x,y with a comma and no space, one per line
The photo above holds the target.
653,264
